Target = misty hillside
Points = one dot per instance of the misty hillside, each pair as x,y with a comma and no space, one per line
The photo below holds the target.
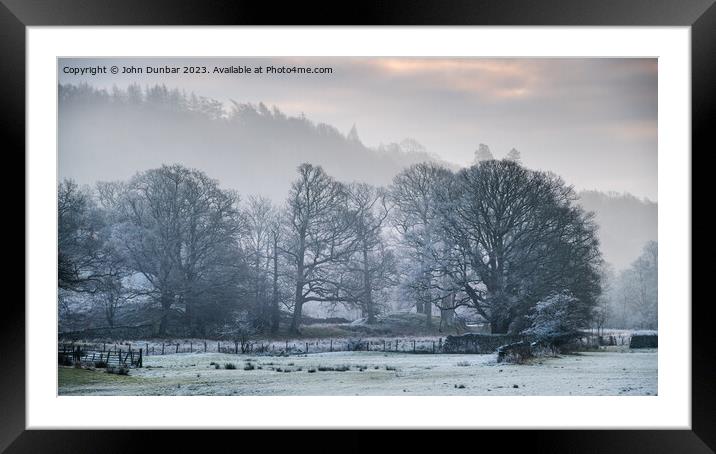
250,148
625,222
255,150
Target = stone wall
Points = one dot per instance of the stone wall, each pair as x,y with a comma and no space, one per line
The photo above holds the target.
644,341
480,343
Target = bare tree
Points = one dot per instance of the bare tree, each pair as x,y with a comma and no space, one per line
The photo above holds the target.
81,239
320,237
416,218
371,269
522,240
259,215
179,230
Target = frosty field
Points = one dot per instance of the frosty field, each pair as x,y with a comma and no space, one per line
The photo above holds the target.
614,371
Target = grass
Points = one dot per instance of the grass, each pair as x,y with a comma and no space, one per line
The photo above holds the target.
69,376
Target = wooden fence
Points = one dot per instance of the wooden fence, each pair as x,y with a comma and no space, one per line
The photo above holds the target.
97,356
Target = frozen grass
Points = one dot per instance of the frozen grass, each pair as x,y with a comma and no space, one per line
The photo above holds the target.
617,371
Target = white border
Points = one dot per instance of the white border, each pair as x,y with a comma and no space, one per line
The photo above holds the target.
670,409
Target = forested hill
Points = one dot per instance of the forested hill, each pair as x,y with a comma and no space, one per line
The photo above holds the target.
625,222
251,148
110,135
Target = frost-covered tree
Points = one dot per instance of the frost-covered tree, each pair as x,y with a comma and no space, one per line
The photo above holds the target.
180,231
81,239
519,240
416,219
320,238
370,271
257,246
559,315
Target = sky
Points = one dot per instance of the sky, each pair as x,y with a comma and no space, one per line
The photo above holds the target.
592,121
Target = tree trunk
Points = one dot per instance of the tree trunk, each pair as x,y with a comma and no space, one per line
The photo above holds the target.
419,307
296,320
499,326
275,314
166,305
298,299
367,290
189,316
447,318
300,281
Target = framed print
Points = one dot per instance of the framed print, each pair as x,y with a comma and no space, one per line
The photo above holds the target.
417,217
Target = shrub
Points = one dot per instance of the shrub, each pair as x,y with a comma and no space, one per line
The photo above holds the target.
217,366
389,368
230,366
311,370
463,364
249,366
100,364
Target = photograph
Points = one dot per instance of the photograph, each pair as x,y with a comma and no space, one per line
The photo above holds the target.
357,226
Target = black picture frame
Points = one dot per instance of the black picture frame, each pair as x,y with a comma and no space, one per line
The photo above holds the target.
16,15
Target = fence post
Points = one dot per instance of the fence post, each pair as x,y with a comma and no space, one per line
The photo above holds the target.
367,346
286,345
413,346
236,347
383,344
140,356
218,347
204,346
147,349
191,347
433,347
177,351
131,356
102,346
331,344
162,348
306,347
